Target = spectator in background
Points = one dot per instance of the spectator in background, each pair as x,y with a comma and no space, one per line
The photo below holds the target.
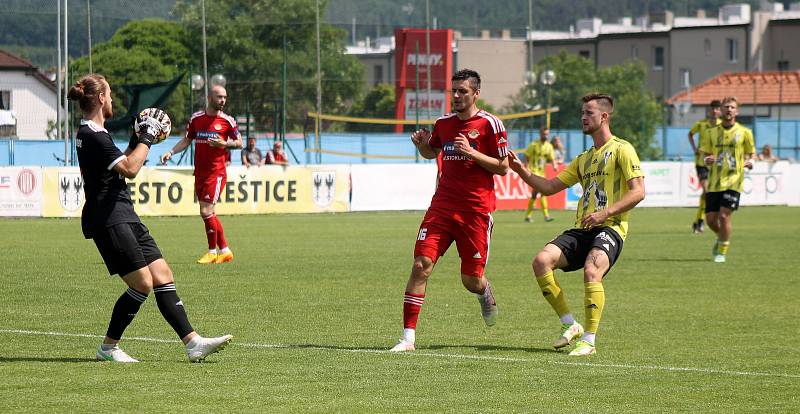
277,156
251,156
766,154
558,150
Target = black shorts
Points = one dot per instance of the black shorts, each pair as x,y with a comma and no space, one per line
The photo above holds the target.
576,243
702,172
126,247
716,200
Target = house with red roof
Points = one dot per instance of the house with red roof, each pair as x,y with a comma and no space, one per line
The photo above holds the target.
27,98
766,95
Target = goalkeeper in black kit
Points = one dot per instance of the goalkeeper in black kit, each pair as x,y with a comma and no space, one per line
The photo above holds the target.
108,218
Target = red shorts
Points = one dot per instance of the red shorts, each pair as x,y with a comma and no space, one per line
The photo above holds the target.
209,189
470,230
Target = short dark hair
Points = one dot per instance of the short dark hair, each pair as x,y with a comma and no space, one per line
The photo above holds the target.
715,103
468,75
605,100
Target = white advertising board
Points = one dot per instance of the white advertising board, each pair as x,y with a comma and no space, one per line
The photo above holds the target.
392,186
21,191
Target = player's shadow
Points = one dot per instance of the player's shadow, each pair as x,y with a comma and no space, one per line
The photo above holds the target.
45,359
666,259
434,347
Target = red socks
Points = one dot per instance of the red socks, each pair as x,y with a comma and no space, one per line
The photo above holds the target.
412,305
214,232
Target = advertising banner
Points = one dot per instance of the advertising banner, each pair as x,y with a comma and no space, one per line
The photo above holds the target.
170,192
415,63
662,184
513,193
21,191
766,184
62,192
392,187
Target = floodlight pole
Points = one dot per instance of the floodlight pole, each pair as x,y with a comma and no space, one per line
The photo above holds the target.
59,83
205,53
89,31
317,120
66,82
427,56
416,99
283,89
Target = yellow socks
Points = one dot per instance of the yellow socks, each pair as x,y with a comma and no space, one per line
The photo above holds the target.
701,210
553,294
722,247
543,202
530,207
595,299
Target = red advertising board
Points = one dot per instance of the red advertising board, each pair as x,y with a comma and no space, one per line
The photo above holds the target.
412,62
513,193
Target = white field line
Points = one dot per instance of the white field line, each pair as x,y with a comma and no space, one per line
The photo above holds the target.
432,355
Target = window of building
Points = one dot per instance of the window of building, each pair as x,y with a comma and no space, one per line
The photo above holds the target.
634,52
707,47
783,65
658,58
5,99
378,74
584,54
733,50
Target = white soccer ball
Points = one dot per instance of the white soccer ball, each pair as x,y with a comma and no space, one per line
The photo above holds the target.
161,117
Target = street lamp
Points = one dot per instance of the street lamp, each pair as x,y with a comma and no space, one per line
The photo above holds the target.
219,79
548,78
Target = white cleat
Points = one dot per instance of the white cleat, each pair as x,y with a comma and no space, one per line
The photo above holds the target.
198,349
568,334
115,354
719,258
488,306
403,346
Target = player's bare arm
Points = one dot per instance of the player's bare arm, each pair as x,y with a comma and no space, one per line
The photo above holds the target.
494,165
130,166
628,201
219,142
420,140
541,184
748,161
695,149
179,146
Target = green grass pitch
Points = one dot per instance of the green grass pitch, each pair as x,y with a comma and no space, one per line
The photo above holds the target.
314,302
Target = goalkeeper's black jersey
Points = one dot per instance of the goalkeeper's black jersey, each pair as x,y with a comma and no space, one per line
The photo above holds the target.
107,199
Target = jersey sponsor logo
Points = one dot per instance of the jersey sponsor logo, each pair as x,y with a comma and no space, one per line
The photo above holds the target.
606,237
473,133
78,143
70,190
324,183
450,153
205,135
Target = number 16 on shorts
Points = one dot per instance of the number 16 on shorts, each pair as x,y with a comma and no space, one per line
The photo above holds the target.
423,232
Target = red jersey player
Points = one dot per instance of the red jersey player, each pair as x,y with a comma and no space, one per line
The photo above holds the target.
214,133
474,148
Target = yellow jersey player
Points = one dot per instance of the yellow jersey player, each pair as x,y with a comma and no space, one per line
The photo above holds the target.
613,184
538,154
701,128
728,150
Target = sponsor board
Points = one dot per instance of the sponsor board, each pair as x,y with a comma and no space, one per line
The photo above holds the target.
170,191
513,193
20,191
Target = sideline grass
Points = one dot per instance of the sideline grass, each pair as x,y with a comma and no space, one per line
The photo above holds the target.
315,300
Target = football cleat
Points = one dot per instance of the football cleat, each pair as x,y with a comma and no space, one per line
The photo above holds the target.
549,219
403,346
488,306
224,257
694,228
715,248
528,220
700,226
583,348
719,258
115,354
198,349
568,334
207,258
